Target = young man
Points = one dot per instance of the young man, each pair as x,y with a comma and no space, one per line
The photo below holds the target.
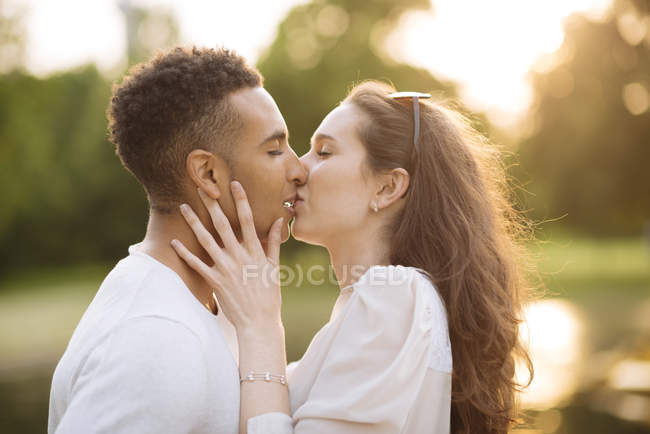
152,353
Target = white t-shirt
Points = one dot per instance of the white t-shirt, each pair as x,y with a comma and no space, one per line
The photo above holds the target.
147,357
381,365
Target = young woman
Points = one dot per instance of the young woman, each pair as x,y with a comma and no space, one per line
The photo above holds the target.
412,206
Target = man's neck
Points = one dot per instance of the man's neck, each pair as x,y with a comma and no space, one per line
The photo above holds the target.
161,229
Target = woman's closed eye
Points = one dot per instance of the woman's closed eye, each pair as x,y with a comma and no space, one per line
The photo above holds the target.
276,152
323,153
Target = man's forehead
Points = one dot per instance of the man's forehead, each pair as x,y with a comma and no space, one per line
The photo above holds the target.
253,99
256,106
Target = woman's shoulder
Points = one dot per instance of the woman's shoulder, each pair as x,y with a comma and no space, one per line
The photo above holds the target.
396,285
382,276
392,285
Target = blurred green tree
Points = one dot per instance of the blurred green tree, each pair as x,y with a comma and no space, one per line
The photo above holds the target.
66,197
147,30
12,38
588,154
324,47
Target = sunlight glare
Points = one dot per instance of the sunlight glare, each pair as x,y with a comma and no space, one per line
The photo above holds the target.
73,32
554,331
488,47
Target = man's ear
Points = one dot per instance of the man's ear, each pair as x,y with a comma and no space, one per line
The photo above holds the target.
392,187
208,172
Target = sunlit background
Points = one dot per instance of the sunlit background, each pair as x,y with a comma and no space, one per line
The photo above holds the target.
562,86
455,41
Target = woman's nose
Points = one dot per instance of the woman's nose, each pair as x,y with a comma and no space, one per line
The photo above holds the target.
305,163
300,173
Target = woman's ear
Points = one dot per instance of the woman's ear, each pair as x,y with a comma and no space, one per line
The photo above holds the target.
208,172
393,187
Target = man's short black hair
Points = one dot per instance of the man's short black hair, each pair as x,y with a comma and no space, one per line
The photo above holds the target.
167,107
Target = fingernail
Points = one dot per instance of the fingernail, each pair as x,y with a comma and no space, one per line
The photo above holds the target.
174,243
235,184
184,208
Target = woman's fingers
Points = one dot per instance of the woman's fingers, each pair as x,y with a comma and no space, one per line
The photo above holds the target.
274,241
202,235
220,222
194,262
245,215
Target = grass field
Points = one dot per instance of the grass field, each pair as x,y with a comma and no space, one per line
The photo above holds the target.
608,280
39,309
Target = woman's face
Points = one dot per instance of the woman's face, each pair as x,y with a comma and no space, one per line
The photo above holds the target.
336,198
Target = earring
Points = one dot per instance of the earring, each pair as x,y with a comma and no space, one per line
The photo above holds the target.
374,207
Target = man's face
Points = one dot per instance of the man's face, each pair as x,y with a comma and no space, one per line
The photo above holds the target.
263,162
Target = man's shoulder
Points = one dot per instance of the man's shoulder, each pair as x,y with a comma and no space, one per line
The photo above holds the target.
137,287
140,300
147,335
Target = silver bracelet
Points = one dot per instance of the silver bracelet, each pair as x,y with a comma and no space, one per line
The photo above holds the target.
266,376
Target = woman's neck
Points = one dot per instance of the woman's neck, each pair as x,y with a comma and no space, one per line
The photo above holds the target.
352,257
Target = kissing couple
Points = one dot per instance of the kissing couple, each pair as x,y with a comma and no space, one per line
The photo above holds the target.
182,337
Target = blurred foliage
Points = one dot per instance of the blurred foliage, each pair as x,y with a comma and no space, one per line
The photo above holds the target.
66,196
324,47
12,40
147,30
589,154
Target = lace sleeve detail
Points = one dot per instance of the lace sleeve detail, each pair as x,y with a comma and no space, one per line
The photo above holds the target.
435,321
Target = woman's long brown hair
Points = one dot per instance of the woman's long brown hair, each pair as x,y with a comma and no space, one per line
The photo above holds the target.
459,225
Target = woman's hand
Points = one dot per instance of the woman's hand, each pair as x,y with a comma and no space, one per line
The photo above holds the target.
244,277
246,282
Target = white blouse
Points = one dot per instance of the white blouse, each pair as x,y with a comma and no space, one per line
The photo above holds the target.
382,364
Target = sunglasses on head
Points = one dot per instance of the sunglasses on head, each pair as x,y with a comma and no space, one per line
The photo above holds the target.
415,96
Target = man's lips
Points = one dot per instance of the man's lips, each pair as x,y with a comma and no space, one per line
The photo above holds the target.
291,201
291,210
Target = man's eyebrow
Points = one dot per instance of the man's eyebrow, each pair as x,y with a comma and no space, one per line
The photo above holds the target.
278,135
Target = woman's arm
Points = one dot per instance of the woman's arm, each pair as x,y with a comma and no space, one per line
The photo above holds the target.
246,282
262,351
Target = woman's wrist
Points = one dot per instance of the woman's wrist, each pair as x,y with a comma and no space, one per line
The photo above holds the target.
262,350
261,330
262,339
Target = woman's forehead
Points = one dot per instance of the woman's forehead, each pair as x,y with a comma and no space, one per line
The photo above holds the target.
341,124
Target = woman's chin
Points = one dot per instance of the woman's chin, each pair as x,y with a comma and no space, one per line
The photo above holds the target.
300,233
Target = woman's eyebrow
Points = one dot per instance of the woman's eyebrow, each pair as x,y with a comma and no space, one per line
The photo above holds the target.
320,136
